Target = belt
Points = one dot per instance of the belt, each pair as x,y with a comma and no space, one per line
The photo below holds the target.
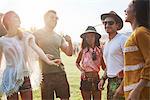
114,78
91,74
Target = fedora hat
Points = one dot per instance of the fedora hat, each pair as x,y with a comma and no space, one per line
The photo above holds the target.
115,16
90,29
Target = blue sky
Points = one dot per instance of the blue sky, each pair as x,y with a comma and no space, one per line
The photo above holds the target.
74,15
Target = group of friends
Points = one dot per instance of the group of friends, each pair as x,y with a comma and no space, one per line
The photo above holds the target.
125,60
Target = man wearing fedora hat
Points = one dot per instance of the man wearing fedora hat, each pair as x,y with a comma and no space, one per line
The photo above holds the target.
91,59
113,53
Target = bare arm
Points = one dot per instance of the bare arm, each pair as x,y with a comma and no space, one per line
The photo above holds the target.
79,66
40,52
78,61
103,64
104,77
102,81
68,50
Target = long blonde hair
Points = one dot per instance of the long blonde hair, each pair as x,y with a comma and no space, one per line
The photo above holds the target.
6,22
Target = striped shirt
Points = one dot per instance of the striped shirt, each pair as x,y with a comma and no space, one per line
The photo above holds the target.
137,60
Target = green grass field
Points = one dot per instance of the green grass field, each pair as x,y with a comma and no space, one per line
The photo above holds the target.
73,75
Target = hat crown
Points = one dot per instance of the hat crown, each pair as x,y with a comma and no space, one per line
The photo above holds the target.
112,12
91,28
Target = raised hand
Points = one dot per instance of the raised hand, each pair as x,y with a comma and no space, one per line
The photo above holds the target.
67,38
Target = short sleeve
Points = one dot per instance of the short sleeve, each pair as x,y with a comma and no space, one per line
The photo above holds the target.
63,42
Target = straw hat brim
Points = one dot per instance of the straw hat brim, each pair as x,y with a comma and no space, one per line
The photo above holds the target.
90,31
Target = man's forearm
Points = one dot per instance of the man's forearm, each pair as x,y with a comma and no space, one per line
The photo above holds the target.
104,77
69,49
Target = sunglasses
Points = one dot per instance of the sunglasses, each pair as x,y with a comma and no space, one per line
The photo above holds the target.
93,55
108,22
